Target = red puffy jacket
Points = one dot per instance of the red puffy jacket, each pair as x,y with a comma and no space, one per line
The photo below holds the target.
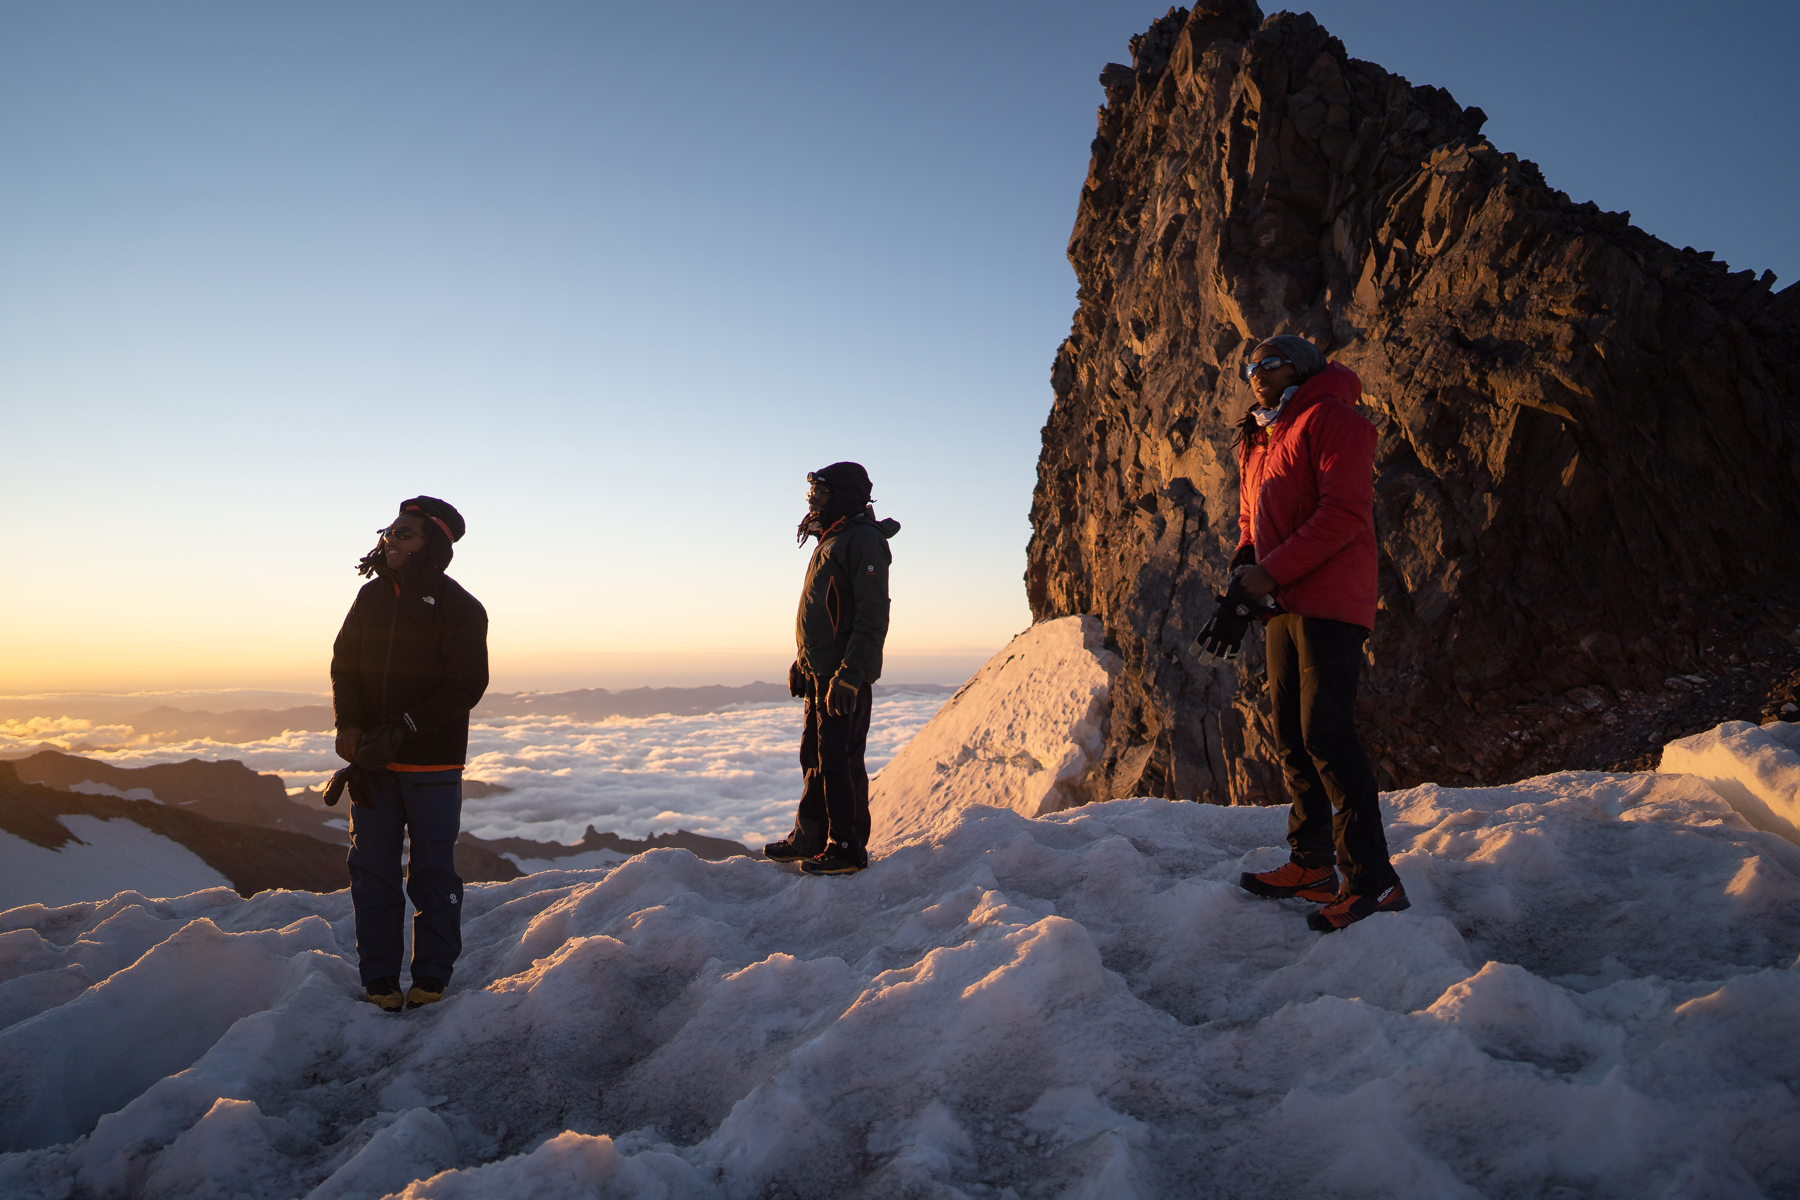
1306,500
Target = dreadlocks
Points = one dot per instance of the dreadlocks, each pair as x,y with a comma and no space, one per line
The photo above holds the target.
823,524
435,551
373,561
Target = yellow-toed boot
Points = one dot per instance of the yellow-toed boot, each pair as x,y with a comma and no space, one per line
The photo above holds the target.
384,993
425,991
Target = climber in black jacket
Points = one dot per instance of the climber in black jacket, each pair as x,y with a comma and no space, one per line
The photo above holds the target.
839,633
407,666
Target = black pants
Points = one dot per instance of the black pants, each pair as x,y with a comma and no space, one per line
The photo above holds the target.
1313,668
428,805
831,754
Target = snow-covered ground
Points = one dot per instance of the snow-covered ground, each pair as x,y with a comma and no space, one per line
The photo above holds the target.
1594,994
105,857
1595,990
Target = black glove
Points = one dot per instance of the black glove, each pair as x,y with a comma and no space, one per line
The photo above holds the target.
1245,557
380,745
840,698
1221,636
796,681
362,791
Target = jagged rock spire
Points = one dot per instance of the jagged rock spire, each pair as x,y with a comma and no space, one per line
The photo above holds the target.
1589,470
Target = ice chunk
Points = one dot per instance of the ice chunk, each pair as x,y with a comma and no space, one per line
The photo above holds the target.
1025,733
1512,1014
417,1146
234,1150
90,1056
1757,770
573,1166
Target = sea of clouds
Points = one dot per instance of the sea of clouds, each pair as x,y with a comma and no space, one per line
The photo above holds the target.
732,774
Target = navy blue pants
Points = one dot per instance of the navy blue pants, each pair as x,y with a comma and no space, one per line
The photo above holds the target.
428,806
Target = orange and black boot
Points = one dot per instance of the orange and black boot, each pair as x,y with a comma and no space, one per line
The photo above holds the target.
1349,909
1317,884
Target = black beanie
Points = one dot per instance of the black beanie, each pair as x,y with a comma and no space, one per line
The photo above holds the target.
433,509
848,482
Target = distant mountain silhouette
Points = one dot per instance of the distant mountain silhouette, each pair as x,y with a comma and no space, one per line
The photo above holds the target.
598,703
710,848
232,793
253,858
237,726
223,791
166,723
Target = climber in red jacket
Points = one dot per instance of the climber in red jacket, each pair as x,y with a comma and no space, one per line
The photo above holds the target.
1306,493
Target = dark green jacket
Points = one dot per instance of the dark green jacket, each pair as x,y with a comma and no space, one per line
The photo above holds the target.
843,616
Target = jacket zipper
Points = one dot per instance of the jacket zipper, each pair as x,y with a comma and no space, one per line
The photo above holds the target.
388,662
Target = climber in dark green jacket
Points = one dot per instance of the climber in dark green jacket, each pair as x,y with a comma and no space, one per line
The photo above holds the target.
838,633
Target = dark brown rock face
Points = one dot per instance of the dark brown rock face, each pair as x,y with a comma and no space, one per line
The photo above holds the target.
1588,480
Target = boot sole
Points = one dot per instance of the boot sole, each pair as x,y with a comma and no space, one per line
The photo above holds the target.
1318,924
812,870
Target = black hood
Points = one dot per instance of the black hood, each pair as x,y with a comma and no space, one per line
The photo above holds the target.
850,494
443,527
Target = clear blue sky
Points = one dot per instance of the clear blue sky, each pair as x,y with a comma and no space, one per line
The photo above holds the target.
612,278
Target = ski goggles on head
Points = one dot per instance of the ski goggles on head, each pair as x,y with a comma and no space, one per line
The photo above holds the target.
1265,364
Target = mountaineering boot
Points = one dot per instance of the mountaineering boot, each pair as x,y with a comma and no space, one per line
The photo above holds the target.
1318,884
425,990
807,840
837,860
384,993
1349,909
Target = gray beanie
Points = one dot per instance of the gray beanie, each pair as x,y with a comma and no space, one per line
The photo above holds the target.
1307,358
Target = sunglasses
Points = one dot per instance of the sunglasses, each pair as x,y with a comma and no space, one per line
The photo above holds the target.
1266,364
399,533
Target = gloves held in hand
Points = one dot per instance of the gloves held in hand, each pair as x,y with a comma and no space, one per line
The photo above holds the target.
380,745
1222,635
362,788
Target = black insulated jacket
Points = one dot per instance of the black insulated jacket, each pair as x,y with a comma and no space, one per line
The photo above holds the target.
843,619
418,649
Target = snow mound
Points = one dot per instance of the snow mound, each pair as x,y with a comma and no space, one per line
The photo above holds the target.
1757,770
106,857
1024,733
1588,997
